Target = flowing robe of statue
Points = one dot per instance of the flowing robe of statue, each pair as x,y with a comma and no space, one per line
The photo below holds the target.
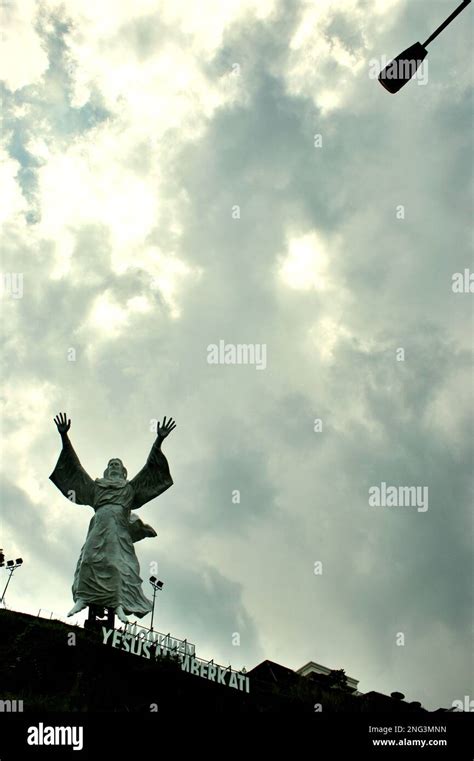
107,572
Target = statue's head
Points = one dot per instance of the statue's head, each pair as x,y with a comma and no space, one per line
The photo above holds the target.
115,469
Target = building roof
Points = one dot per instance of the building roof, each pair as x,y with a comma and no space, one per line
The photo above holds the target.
316,668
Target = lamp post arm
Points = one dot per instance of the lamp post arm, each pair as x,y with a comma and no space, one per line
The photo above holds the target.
448,21
2,599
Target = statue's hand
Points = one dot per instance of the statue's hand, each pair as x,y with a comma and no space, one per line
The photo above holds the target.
62,423
165,428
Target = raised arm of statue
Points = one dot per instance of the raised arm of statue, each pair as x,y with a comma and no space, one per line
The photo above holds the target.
69,476
154,478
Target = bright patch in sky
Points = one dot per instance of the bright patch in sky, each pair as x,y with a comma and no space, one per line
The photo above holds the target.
305,267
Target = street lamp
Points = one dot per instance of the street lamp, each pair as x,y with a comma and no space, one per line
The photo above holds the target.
157,587
399,71
12,565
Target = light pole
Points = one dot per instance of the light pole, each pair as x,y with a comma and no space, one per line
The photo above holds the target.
157,587
399,71
12,565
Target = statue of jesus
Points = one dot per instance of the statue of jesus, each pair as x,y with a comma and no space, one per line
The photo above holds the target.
107,572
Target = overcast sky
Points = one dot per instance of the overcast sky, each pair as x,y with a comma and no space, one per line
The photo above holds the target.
133,130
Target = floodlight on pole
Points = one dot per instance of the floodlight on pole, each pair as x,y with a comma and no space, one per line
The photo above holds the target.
157,587
402,68
11,566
